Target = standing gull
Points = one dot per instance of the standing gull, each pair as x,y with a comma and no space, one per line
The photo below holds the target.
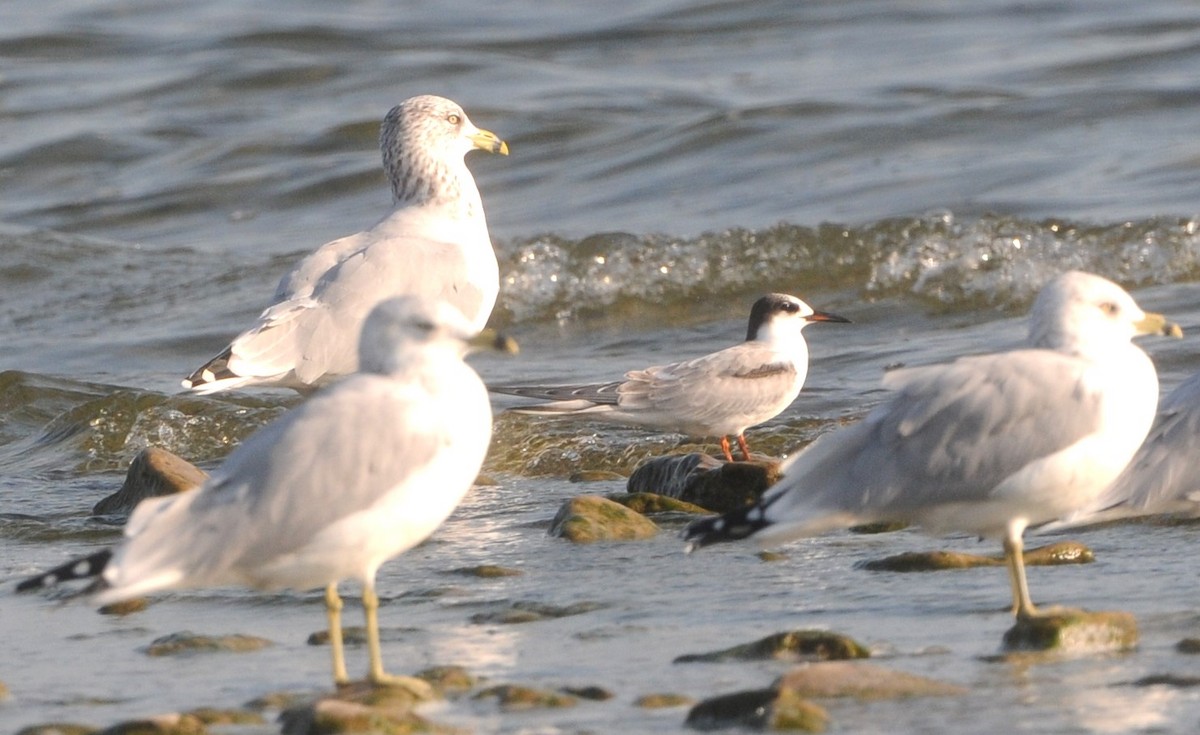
363,471
434,244
988,444
1164,475
718,395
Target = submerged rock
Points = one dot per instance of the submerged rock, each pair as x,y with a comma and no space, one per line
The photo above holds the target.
592,692
1068,630
516,697
330,716
761,709
531,612
186,642
861,681
1188,645
663,700
170,724
213,716
1063,552
487,571
817,645
447,680
124,607
58,728
590,518
705,481
152,472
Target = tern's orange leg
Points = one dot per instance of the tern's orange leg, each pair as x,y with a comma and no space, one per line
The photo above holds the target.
725,449
745,447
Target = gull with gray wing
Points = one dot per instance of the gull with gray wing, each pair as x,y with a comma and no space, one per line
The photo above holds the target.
363,471
988,444
433,244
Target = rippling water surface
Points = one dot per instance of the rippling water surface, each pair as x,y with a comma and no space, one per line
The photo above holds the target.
921,168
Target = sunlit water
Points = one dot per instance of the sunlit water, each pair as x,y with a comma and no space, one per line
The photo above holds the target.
920,169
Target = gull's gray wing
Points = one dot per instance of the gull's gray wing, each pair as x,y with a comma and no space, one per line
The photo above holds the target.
334,455
317,336
951,433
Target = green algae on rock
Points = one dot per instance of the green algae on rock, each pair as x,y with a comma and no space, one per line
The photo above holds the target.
530,612
58,728
517,697
817,645
186,642
168,724
653,503
663,701
1070,630
590,518
761,709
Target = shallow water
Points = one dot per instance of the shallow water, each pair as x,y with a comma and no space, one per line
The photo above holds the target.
920,168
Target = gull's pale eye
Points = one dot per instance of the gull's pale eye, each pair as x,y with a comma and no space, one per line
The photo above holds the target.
453,119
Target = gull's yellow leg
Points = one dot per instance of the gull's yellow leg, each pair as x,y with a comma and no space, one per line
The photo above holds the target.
1014,555
376,675
333,610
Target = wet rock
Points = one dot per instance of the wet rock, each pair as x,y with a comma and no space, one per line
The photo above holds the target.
279,700
186,642
705,481
212,716
861,681
171,724
1188,645
447,680
125,607
1067,630
356,635
1064,552
880,527
3,690
152,472
590,518
330,716
515,697
58,728
760,709
771,556
663,701
650,503
530,612
400,695
1169,680
593,693
817,645
487,571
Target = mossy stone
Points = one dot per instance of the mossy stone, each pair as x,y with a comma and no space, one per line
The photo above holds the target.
517,697
790,645
591,518
760,709
1068,630
186,642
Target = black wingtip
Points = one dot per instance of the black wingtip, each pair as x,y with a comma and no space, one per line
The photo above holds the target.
733,526
210,372
83,568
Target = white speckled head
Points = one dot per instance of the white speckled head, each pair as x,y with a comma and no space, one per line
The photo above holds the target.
424,140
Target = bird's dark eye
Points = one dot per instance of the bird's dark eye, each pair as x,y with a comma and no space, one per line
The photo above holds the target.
790,307
453,119
1109,308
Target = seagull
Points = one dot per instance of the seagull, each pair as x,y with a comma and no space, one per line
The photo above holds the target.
433,244
717,395
1164,475
364,470
986,445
